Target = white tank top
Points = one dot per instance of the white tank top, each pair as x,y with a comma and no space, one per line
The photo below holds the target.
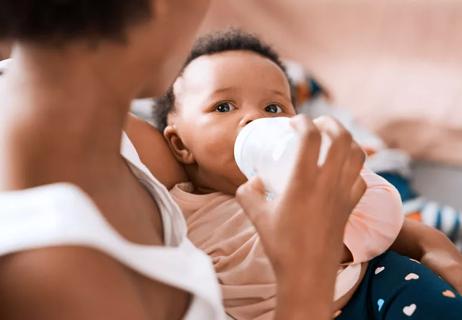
62,214
3,65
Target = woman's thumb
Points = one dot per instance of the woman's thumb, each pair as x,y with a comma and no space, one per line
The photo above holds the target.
252,198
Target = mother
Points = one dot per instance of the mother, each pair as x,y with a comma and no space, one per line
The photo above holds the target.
86,233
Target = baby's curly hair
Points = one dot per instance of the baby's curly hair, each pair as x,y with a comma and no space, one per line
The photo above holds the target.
59,21
228,40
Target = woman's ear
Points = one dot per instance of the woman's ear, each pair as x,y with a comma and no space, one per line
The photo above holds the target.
179,150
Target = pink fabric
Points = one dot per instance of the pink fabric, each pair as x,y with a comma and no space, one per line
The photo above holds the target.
218,225
376,221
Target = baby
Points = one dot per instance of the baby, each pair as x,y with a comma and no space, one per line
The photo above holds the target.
229,80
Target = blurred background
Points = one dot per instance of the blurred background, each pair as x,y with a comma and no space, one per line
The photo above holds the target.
396,65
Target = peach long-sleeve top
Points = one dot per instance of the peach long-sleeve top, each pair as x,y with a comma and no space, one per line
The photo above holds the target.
218,225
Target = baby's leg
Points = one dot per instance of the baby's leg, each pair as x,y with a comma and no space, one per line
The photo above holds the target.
396,287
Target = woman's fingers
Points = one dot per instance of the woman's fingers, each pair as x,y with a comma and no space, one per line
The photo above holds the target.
252,198
345,158
306,164
353,165
357,191
340,147
322,196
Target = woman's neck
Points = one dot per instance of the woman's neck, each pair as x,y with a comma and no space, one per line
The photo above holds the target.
63,111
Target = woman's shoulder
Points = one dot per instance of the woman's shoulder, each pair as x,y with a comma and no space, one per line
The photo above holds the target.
154,152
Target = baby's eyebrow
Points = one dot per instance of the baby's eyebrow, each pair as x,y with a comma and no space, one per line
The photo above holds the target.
221,90
276,91
279,93
226,89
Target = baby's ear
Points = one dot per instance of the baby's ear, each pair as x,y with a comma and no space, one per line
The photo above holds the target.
179,150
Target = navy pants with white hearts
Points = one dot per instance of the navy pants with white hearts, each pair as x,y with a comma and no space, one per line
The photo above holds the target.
396,287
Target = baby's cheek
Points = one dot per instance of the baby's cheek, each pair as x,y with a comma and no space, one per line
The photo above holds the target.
218,154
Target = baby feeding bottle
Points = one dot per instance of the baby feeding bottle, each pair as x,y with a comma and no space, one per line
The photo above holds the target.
268,148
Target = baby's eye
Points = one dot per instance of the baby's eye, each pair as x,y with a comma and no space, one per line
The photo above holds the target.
224,107
273,108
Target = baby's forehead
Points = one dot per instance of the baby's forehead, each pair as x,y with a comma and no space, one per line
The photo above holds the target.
229,69
231,59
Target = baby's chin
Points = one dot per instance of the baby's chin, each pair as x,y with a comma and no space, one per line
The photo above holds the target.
239,179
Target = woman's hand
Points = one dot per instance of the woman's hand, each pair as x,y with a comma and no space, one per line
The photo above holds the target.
302,230
433,249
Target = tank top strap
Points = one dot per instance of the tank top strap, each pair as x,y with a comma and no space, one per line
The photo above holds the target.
175,228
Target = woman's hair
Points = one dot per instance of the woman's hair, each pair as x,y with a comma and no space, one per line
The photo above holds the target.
59,21
228,40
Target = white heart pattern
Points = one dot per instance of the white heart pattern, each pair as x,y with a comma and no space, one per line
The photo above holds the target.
379,269
449,294
411,276
409,310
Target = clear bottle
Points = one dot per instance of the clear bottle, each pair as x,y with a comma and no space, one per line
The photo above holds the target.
268,148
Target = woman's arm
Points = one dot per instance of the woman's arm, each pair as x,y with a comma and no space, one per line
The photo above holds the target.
67,283
154,152
433,249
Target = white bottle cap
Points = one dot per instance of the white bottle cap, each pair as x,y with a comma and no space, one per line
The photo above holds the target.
268,147
256,137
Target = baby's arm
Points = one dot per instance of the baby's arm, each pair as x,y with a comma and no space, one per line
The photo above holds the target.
154,152
376,221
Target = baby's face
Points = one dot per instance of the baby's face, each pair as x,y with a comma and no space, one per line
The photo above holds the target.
216,96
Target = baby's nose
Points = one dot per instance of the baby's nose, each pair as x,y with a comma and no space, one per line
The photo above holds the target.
247,121
248,118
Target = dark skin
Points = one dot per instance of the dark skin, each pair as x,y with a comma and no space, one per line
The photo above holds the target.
433,249
296,302
206,162
216,96
209,163
42,108
5,49
415,239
